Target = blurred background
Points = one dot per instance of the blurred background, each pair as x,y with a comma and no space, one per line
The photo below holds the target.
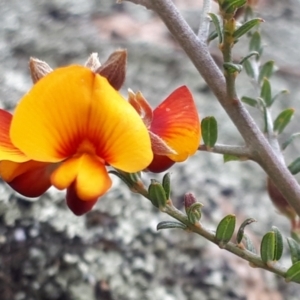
114,252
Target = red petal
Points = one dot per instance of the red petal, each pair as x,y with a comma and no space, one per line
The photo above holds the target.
176,121
160,164
76,205
31,179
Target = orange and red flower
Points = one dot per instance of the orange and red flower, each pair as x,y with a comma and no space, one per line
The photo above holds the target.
64,132
73,123
174,127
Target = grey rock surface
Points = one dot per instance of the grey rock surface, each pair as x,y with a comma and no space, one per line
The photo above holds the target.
115,252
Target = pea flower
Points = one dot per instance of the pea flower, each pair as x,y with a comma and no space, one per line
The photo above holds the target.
65,131
174,127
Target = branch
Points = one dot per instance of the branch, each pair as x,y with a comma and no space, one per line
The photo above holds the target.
199,54
204,20
239,151
251,257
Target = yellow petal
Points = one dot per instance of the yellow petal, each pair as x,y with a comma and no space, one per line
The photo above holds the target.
176,121
7,150
72,105
88,175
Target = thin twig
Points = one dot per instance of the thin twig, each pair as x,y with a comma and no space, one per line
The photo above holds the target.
251,257
240,151
204,20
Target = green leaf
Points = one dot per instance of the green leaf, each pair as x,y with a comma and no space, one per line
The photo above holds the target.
255,43
266,93
230,157
250,101
266,70
279,94
267,247
209,128
215,19
166,183
246,27
295,235
194,212
293,273
170,225
249,69
225,230
278,244
294,167
290,140
230,6
283,119
157,194
248,243
268,122
240,233
295,250
252,53
232,68
212,36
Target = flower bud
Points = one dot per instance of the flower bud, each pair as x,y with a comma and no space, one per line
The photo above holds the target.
157,194
192,208
280,202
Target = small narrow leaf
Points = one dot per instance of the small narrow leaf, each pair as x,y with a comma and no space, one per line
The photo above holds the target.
166,183
215,19
266,70
232,68
246,27
295,250
230,6
230,157
252,53
170,225
267,247
209,128
248,68
240,233
294,167
255,43
293,273
283,119
279,94
225,230
212,36
266,93
248,244
290,140
278,244
250,101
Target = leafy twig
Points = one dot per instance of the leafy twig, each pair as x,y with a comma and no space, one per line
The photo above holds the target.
198,52
251,257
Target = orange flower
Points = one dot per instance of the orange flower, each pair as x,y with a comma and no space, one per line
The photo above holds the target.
174,127
69,126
